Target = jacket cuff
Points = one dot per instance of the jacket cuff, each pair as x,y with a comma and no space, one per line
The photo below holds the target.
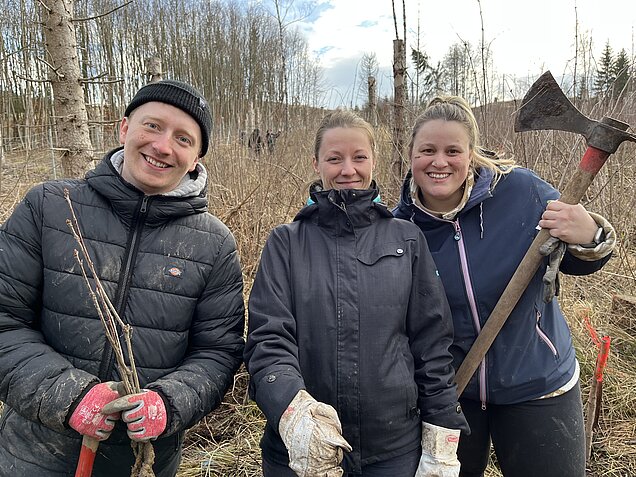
603,249
274,391
451,417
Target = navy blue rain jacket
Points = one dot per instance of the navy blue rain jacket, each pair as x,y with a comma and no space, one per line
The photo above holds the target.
476,255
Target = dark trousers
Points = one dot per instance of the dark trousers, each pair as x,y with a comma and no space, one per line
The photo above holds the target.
120,462
544,437
401,466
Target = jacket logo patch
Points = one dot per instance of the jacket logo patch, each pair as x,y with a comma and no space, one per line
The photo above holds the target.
174,272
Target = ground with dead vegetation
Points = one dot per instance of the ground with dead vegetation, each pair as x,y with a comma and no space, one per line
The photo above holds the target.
253,194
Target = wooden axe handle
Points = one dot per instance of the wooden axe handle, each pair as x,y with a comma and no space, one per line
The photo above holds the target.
86,457
591,163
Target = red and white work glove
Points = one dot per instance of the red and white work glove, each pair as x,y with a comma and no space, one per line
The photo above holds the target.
144,413
439,452
89,419
312,433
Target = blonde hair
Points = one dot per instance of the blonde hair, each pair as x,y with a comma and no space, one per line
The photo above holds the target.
344,119
455,108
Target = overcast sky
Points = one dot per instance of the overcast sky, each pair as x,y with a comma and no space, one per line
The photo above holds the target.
526,37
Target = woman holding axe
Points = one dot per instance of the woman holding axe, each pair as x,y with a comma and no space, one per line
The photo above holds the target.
480,214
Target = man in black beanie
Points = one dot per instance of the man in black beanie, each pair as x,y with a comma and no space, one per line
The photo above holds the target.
171,271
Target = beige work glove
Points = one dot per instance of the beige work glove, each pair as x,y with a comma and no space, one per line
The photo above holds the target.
439,452
312,434
603,248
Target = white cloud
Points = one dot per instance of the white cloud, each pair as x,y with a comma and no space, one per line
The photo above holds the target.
525,39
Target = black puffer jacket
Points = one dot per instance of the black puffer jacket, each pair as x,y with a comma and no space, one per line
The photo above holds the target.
171,270
347,304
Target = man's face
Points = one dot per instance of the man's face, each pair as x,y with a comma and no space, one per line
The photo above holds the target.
161,145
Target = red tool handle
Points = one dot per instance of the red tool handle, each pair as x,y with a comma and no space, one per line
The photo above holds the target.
593,160
87,457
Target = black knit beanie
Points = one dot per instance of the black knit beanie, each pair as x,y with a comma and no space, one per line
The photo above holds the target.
182,96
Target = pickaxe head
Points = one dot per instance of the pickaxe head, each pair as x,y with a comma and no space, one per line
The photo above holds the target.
546,107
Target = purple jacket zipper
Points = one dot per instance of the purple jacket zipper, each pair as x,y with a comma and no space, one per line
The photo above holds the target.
473,306
543,336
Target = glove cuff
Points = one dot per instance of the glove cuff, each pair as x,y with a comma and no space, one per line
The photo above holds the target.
439,442
77,402
602,249
298,405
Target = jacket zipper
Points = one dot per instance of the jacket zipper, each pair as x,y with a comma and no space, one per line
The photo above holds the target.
544,337
473,306
108,357
343,207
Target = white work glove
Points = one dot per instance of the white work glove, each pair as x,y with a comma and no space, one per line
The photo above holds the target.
439,452
312,433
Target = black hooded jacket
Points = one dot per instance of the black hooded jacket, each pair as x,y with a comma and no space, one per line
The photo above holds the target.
347,304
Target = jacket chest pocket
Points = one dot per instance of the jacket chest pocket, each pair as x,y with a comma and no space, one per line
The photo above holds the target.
383,251
385,272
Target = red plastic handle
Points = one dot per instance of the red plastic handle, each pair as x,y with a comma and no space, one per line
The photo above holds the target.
87,457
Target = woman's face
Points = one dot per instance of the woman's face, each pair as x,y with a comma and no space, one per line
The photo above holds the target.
440,161
345,159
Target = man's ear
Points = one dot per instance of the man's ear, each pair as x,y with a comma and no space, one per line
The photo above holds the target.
123,130
315,164
194,164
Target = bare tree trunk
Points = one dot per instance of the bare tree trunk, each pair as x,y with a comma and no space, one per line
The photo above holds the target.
576,55
373,100
1,158
72,118
399,85
484,108
283,94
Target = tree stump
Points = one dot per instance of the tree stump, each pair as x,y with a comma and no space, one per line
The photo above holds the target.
624,310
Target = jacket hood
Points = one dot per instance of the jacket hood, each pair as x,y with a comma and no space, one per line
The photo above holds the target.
359,206
480,192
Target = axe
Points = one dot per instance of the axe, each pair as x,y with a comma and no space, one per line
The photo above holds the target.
545,106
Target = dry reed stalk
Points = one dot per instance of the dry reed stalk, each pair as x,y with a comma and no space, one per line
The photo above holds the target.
144,452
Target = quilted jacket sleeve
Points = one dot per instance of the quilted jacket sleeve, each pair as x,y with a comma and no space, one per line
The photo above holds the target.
35,380
216,344
271,353
430,329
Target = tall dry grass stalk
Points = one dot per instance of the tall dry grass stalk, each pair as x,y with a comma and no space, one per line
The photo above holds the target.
253,194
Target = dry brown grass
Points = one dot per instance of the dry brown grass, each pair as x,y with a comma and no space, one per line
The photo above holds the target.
253,194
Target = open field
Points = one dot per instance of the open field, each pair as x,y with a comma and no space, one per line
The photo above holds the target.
253,194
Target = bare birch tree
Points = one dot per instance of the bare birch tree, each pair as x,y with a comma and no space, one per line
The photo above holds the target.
399,87
64,74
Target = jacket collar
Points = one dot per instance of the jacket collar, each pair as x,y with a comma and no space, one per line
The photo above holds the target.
126,199
480,192
192,184
333,207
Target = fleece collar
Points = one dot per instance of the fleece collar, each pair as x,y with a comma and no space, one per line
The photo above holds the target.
191,185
